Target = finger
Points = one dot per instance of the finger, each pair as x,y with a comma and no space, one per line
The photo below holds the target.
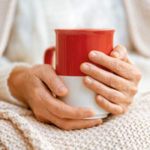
67,124
81,124
108,78
62,110
108,106
54,83
120,52
107,92
119,67
70,124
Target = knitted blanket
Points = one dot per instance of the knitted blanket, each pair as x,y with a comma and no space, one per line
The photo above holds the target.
131,131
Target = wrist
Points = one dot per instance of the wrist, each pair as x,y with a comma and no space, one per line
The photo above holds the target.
15,82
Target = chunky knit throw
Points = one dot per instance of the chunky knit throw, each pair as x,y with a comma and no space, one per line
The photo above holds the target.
130,131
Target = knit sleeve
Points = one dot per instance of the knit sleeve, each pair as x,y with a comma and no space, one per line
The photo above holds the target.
6,68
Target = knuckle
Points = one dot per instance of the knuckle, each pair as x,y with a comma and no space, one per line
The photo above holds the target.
37,66
124,110
129,101
46,68
64,112
116,65
41,68
138,75
61,111
77,114
90,67
49,67
133,90
112,96
111,81
121,47
92,84
86,80
106,104
117,110
103,102
83,112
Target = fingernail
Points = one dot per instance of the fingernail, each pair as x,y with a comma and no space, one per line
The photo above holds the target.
62,91
93,54
86,66
88,80
116,54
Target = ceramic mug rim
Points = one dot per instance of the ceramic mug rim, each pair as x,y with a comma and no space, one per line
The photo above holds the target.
85,30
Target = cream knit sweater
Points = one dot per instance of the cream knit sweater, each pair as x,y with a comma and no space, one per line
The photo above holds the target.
18,127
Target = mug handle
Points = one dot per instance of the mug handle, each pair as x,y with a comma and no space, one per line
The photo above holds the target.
48,56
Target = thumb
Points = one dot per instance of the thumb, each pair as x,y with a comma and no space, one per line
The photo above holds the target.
120,52
51,80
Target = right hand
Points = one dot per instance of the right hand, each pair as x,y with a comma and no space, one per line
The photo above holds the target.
36,86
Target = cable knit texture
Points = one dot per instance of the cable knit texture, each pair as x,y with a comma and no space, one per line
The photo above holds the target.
32,32
128,131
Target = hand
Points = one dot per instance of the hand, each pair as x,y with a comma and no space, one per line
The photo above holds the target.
36,87
116,86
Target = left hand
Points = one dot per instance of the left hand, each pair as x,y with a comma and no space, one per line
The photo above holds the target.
117,87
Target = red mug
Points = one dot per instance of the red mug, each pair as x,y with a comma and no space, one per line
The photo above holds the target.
72,49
